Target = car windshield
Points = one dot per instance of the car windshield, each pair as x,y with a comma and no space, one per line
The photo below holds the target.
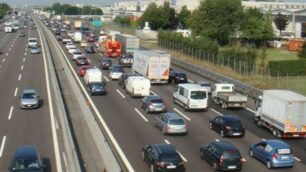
157,101
284,151
28,96
231,154
170,157
177,122
23,165
198,95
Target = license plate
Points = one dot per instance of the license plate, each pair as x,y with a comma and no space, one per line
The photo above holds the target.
231,167
29,105
171,166
236,134
284,157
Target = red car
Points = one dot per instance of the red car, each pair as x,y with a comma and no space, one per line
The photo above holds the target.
82,70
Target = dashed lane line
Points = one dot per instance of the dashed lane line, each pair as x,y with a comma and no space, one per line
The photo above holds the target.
106,78
2,146
183,115
216,112
16,91
122,95
141,115
21,67
11,113
19,77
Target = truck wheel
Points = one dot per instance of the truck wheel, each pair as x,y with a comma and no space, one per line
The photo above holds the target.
259,123
224,105
216,100
277,133
185,108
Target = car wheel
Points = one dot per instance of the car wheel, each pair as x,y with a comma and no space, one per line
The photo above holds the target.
222,133
185,108
142,156
269,165
164,131
215,166
201,154
153,169
210,125
251,153
147,110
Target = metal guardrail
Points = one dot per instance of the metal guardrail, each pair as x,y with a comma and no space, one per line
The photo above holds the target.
215,77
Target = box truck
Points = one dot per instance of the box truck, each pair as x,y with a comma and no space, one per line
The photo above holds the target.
152,64
129,43
77,37
283,112
93,75
77,24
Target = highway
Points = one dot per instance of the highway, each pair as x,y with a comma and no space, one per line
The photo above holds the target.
133,128
19,69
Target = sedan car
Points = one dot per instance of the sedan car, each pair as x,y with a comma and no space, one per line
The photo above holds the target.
26,158
227,125
91,39
115,73
171,123
90,49
35,50
70,45
29,99
177,77
153,104
21,34
274,153
106,64
82,61
96,88
163,157
83,44
82,70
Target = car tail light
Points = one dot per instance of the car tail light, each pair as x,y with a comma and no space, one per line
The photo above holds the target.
221,160
160,164
275,156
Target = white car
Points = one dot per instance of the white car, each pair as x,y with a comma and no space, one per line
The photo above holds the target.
116,73
72,50
70,45
83,44
70,34
66,40
77,54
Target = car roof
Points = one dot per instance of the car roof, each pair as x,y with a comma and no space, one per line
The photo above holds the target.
26,152
224,145
277,143
165,148
29,91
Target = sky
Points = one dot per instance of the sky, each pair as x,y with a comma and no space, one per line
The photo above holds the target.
96,2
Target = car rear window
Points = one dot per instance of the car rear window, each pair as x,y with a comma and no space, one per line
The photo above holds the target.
284,151
231,154
177,122
182,75
170,157
234,123
157,101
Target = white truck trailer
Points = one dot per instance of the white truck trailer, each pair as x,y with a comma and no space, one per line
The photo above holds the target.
225,94
129,43
283,112
154,65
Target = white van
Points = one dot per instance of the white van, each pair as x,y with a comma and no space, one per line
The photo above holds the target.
93,75
138,86
32,42
191,96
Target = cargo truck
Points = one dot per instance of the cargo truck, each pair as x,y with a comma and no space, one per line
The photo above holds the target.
93,75
154,65
129,43
225,95
283,112
77,37
77,24
8,29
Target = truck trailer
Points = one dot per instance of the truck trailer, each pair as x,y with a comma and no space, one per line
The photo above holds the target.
283,112
129,43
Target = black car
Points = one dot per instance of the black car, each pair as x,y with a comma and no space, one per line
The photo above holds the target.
57,32
177,77
124,77
26,158
153,103
96,88
126,60
90,49
162,157
222,156
106,64
227,125
59,38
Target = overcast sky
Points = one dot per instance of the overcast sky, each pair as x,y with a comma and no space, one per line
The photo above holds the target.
96,2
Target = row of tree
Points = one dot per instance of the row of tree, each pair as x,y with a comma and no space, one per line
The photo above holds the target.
67,9
4,8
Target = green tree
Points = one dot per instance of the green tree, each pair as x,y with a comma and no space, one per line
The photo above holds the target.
302,53
281,22
155,16
183,17
4,8
217,19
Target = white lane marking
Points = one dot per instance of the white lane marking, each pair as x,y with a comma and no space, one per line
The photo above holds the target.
51,110
3,60
2,146
100,54
25,53
251,110
296,158
216,112
65,159
153,93
118,91
6,54
217,140
191,81
21,67
184,159
106,78
23,59
243,159
263,139
139,113
16,91
182,114
9,49
19,77
11,113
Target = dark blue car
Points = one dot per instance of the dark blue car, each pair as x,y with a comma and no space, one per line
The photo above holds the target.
26,159
274,153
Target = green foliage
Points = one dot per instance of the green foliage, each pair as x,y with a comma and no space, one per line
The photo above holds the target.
217,19
302,53
288,68
123,21
183,17
4,7
281,21
67,9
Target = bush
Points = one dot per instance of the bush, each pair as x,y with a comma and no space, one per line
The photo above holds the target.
302,53
288,67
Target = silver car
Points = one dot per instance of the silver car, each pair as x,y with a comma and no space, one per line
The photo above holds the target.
29,99
171,123
153,104
205,84
35,50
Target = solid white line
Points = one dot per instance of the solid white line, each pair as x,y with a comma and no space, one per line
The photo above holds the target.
184,159
182,114
23,59
19,77
263,139
21,67
153,93
297,159
16,90
65,160
106,78
51,110
143,117
118,91
3,60
167,141
216,112
251,110
11,112
2,146
191,81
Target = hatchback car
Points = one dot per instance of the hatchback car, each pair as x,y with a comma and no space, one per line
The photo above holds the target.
29,99
163,157
222,156
153,104
90,49
227,125
106,64
177,77
274,153
206,85
171,123
26,159
82,61
35,50
96,88
82,70
115,73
